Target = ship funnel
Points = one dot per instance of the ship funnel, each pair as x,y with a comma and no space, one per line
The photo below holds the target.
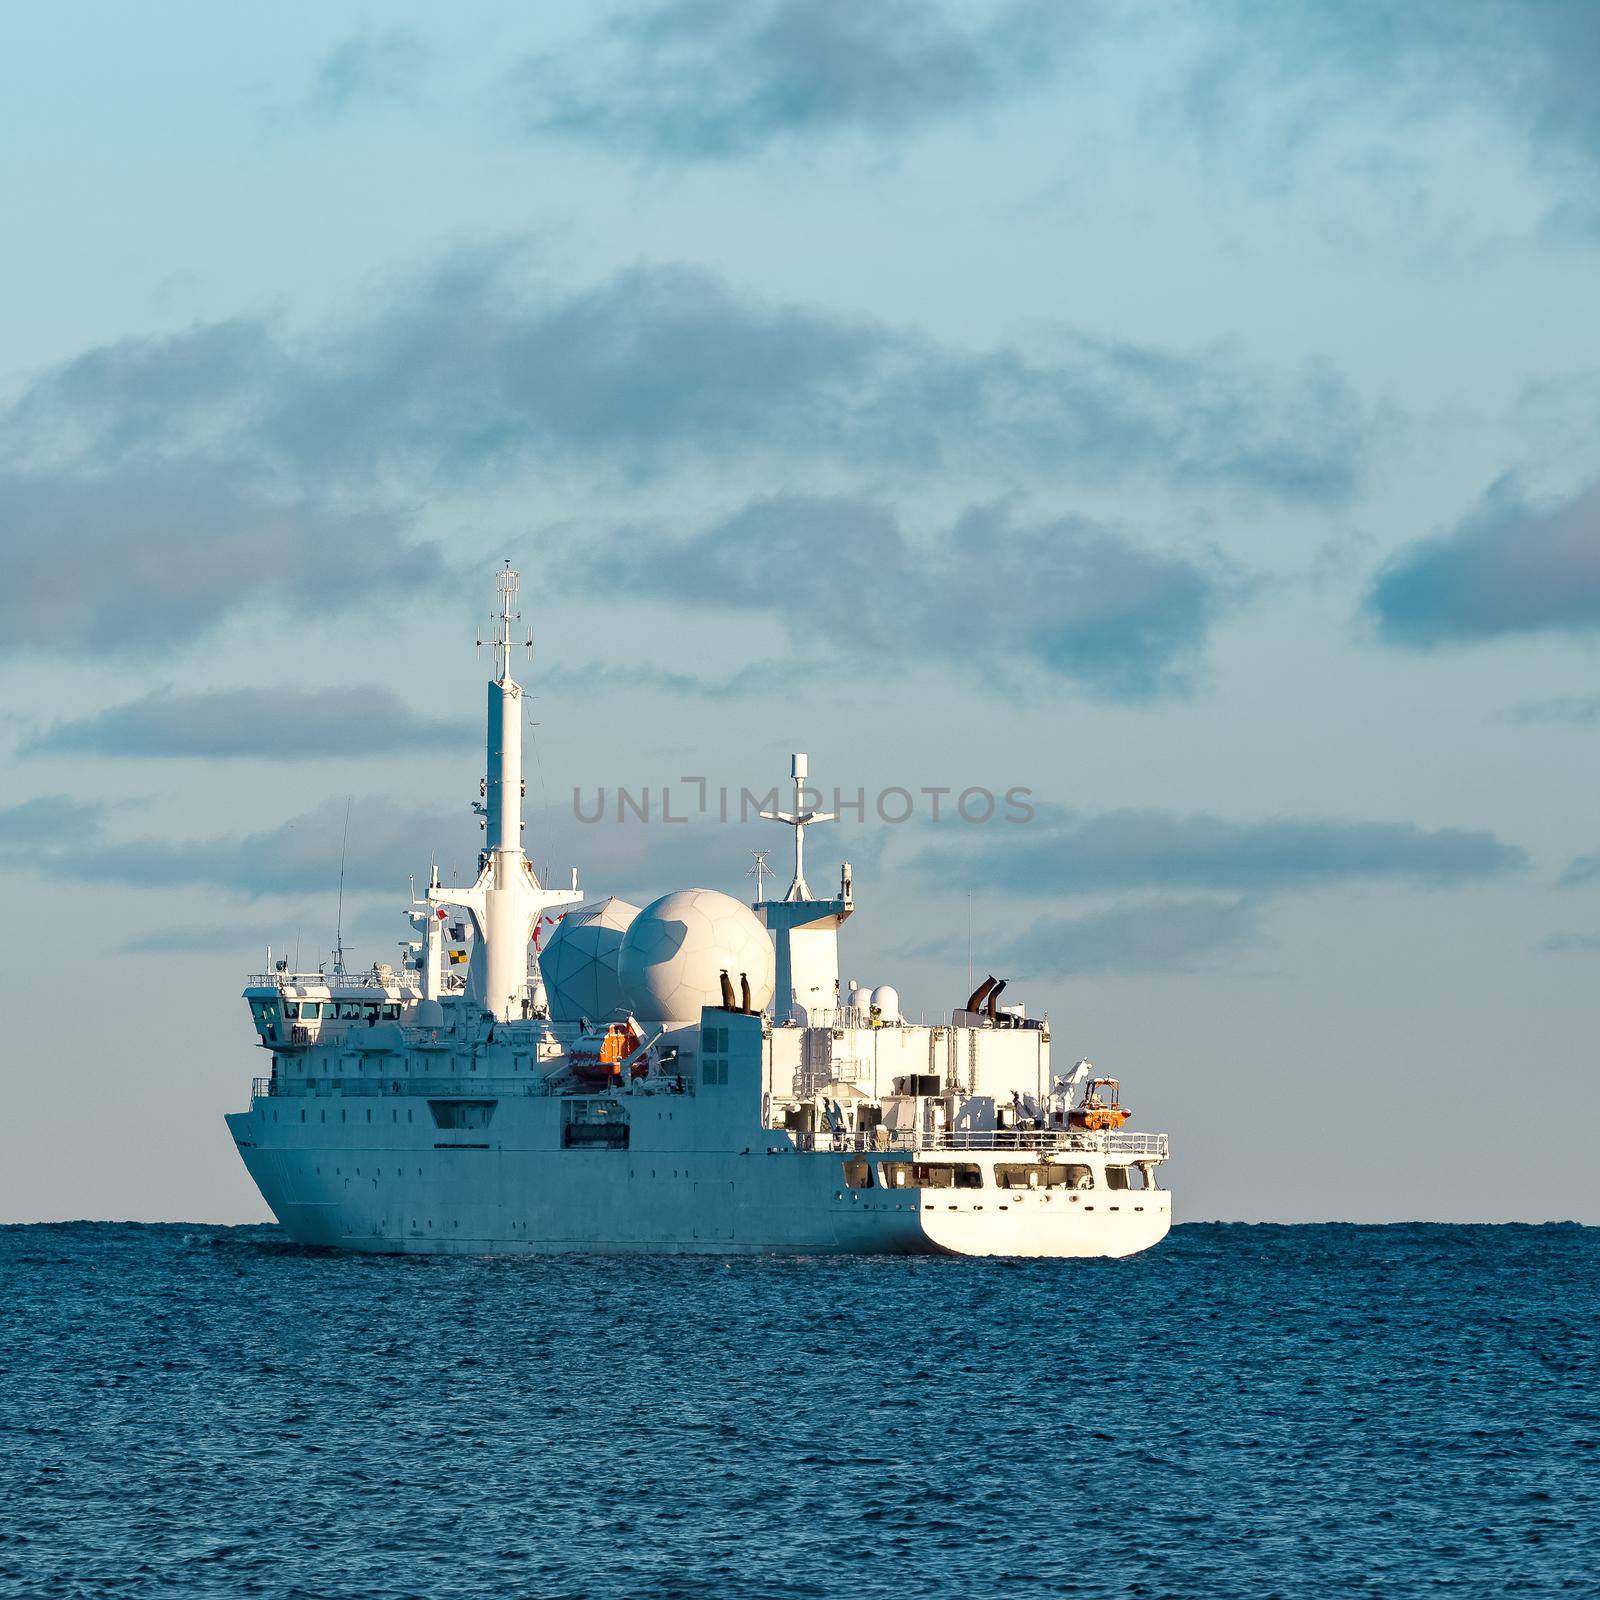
744,994
976,998
994,999
728,1002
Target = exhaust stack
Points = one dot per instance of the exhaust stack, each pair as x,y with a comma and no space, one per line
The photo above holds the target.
994,1000
977,996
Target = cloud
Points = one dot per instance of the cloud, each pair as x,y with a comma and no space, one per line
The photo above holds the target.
30,829
1069,599
1570,943
1063,852
151,487
1162,935
267,724
384,67
596,677
1513,566
299,856
305,934
708,79
1576,711
473,376
1581,870
135,561
1310,67
1151,937
202,938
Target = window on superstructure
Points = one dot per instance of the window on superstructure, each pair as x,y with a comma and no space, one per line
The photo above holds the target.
1042,1175
931,1175
858,1174
1117,1178
714,1070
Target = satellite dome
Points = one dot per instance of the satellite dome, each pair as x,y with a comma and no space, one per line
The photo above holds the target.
579,961
886,1002
676,950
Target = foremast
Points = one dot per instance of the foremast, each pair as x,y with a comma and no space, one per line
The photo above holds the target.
507,898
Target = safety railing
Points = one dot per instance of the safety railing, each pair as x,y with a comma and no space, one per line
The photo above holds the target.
406,981
466,1085
1045,1141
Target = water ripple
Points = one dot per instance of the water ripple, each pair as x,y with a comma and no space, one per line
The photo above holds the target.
1296,1412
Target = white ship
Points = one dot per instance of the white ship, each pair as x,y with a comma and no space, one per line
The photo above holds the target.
685,1078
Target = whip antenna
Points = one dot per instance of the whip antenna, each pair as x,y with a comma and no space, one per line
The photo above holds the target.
338,933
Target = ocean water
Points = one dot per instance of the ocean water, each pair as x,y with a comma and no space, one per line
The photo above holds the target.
1295,1411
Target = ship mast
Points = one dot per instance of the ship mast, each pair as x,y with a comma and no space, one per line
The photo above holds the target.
805,930
799,819
507,898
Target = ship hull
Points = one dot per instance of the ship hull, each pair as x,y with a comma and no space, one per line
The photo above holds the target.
398,1187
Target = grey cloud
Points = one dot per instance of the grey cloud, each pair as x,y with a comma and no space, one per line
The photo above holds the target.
45,822
760,677
1063,852
470,377
1158,936
1530,66
299,856
1581,870
694,79
1069,599
305,934
134,561
386,66
267,724
1513,566
202,938
1575,711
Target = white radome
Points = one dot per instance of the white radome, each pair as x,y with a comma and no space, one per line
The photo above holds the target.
677,948
579,961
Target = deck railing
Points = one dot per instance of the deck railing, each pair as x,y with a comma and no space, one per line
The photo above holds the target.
467,1086
1046,1141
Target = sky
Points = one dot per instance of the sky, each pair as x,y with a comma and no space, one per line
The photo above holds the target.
1187,414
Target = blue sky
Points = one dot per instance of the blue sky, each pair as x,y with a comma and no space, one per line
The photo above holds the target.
1188,413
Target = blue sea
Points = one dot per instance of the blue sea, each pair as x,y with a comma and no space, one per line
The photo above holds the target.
1294,1411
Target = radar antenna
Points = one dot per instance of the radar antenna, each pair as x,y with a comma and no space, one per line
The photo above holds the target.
506,623
799,819
759,871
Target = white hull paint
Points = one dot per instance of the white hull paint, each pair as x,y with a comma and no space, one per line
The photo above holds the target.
408,1188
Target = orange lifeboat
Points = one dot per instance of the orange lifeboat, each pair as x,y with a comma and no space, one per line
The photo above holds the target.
1102,1107
598,1055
